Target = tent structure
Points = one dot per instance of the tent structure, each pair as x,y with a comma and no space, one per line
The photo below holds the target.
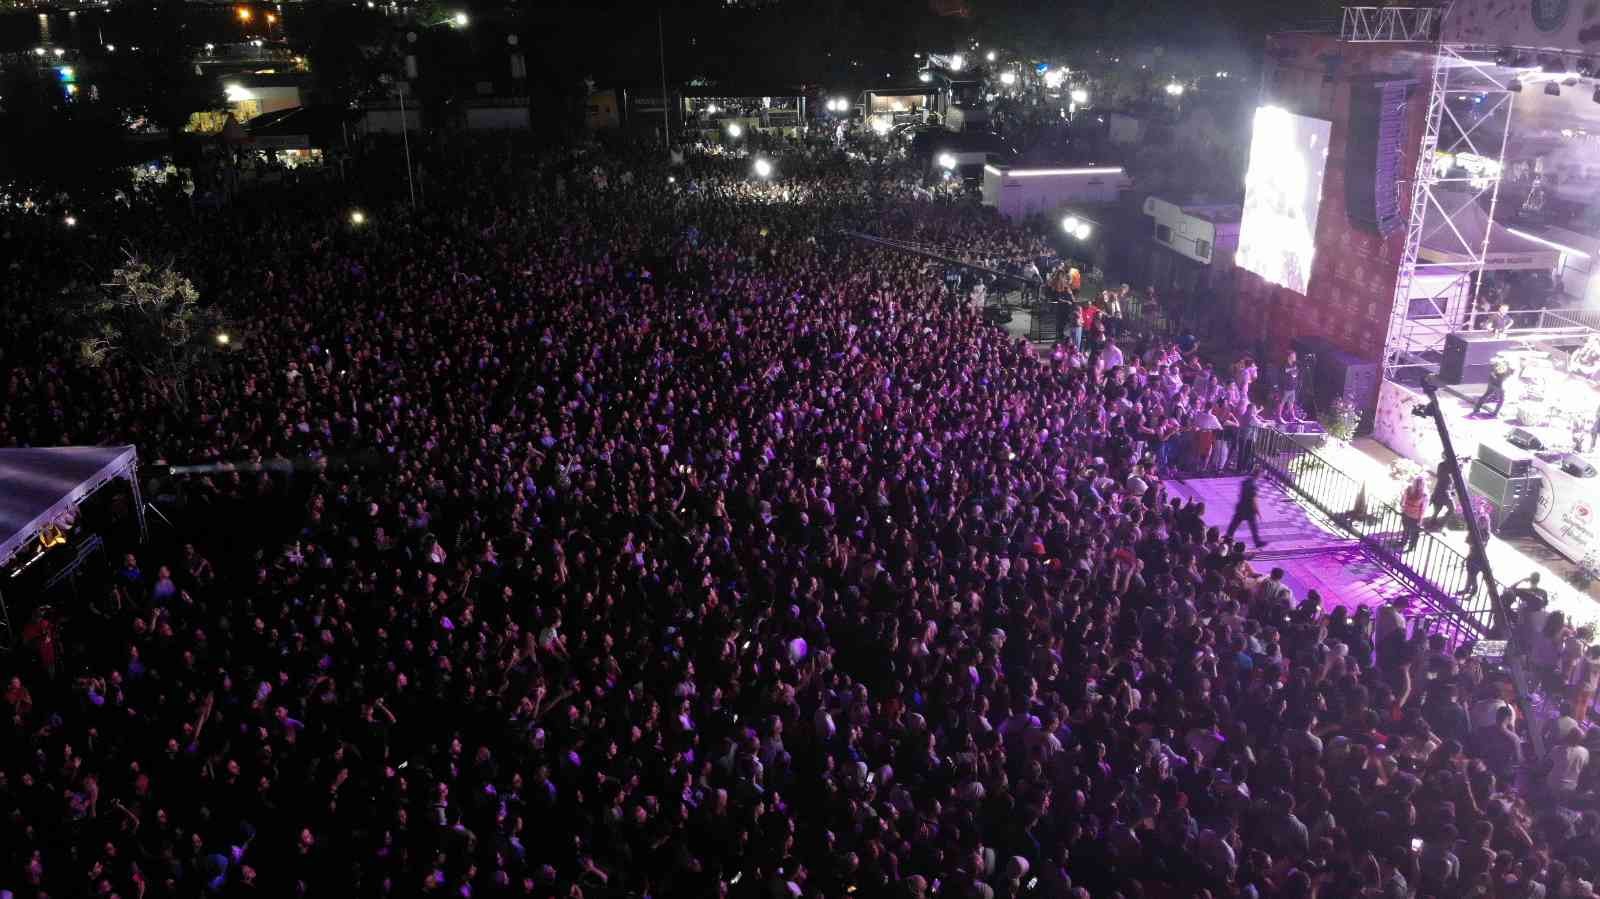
39,485
1454,240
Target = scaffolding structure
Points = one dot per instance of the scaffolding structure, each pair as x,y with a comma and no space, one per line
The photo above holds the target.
1389,24
1453,194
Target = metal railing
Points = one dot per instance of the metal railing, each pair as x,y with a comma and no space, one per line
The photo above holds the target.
1436,570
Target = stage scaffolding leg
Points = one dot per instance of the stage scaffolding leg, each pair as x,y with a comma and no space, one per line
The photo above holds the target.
1440,198
138,505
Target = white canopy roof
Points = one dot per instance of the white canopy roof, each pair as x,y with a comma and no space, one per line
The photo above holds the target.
37,485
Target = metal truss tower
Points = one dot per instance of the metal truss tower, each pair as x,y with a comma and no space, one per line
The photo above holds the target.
1453,193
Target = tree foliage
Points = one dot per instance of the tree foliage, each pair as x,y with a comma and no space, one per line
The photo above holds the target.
154,75
151,317
349,47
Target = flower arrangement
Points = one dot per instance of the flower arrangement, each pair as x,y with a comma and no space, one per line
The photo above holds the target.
1340,420
1402,470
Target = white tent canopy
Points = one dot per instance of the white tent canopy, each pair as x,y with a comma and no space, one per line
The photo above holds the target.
39,485
1457,239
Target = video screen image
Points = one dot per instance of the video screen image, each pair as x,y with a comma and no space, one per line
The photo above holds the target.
1282,196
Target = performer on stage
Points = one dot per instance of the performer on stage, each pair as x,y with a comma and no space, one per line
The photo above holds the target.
1499,371
1500,322
1245,511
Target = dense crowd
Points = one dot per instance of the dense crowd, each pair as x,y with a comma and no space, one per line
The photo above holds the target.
645,536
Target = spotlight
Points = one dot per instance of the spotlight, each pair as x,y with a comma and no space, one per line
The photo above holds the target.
735,129
958,62
38,51
59,52
947,161
763,168
1552,89
1083,231
357,217
989,56
72,221
460,20
223,339
1070,224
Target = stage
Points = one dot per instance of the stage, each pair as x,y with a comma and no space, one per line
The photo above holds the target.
1564,537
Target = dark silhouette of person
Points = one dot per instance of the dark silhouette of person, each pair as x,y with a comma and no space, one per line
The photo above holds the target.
1245,510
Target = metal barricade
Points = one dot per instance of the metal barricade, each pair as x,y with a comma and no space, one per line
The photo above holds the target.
1436,570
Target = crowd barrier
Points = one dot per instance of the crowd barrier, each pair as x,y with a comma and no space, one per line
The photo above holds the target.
1436,570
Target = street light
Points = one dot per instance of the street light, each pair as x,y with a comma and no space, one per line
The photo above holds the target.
1174,89
1083,231
763,168
924,76
990,56
734,130
1070,224
357,217
947,161
1080,96
60,53
958,62
1008,78
38,51
460,20
223,339
244,13
72,221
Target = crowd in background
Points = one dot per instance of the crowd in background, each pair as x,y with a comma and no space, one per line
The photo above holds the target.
646,536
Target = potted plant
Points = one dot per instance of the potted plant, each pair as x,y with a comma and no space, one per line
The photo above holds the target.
1340,420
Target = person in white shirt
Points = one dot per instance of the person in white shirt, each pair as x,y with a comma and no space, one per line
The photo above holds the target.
1113,354
1567,763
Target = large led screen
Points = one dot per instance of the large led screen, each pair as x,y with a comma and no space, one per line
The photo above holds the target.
1282,196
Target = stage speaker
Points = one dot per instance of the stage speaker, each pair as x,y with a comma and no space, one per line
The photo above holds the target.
1375,154
1524,440
1513,499
1339,374
1577,466
1505,459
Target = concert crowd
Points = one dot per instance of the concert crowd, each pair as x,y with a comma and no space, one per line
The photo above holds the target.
605,529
